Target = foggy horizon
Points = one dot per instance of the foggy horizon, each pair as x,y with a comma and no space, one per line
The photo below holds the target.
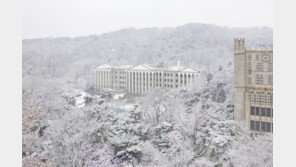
139,28
82,18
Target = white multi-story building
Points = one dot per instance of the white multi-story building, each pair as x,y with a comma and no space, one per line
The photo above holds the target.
141,79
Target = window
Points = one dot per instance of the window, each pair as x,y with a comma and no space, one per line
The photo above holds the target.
259,79
252,125
252,98
263,126
250,68
270,67
257,125
252,110
270,82
260,66
250,57
268,112
263,112
257,111
263,99
257,99
268,129
257,57
268,99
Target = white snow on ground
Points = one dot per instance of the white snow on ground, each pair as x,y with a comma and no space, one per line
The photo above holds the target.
117,96
128,107
80,102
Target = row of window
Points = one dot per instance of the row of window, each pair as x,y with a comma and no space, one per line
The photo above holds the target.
260,67
165,80
265,112
120,77
260,79
165,74
165,85
261,98
261,126
120,72
265,56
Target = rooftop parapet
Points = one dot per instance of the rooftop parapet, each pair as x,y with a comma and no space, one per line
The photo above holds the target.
260,48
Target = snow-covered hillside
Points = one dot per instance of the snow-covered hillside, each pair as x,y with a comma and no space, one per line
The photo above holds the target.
198,45
189,126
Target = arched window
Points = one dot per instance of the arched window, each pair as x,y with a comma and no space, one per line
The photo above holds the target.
257,99
263,99
252,98
268,99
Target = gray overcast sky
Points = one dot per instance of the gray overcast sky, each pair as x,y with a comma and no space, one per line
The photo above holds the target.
55,18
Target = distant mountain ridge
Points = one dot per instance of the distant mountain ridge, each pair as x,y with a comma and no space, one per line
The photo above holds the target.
198,45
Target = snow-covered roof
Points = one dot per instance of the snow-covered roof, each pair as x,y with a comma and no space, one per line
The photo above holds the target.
104,66
145,67
142,67
189,69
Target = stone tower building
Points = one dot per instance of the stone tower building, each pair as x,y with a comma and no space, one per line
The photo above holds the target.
253,86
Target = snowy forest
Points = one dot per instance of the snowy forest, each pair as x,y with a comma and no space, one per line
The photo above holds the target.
66,124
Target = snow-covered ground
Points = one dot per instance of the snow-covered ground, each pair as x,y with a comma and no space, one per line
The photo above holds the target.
80,101
118,96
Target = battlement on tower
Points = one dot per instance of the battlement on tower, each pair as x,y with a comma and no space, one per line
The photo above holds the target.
239,44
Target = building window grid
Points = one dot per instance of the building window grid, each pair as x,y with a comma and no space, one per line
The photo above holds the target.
268,99
259,79
270,81
257,98
270,67
252,98
250,68
262,99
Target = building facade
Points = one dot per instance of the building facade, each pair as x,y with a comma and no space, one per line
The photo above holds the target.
253,86
141,79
